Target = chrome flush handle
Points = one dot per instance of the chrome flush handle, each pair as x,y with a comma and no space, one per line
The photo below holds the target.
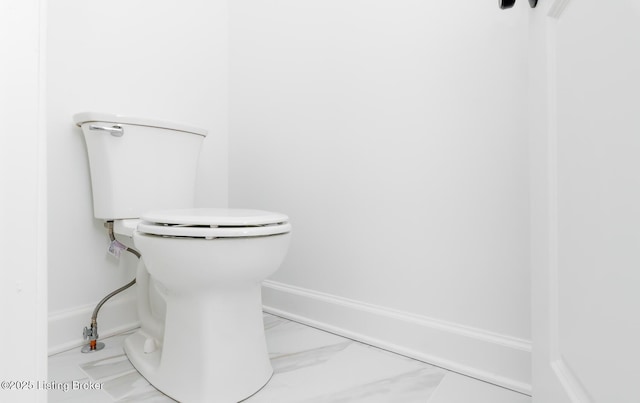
115,130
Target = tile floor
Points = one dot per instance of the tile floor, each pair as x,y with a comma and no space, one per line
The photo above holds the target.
310,366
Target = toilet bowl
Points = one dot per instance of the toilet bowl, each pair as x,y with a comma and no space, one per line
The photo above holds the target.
201,337
210,264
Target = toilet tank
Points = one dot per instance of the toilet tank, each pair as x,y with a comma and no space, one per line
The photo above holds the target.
139,164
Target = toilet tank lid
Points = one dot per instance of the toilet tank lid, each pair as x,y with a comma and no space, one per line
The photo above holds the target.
85,117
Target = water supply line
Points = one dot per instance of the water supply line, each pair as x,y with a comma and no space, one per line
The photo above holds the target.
91,332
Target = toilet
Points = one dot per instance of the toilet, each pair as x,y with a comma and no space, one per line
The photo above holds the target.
201,337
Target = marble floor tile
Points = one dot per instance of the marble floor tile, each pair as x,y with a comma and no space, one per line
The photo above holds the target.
148,394
456,388
347,369
310,366
411,387
126,385
78,396
109,367
104,368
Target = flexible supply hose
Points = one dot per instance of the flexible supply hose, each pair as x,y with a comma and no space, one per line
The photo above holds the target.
112,237
94,316
92,332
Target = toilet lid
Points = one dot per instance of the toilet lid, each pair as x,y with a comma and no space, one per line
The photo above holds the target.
214,223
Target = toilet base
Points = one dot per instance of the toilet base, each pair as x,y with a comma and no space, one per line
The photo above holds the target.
213,349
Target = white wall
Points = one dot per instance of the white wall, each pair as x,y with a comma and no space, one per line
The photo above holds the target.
162,59
23,293
394,134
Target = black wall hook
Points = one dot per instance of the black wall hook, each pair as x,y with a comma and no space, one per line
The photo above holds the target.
504,4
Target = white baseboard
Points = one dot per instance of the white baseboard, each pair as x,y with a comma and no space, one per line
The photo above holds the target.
118,315
499,359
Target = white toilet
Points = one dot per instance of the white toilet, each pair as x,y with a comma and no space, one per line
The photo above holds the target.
199,280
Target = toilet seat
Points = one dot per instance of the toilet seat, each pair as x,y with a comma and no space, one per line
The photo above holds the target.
213,223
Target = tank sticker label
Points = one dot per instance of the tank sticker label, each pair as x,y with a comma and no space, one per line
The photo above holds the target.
115,248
